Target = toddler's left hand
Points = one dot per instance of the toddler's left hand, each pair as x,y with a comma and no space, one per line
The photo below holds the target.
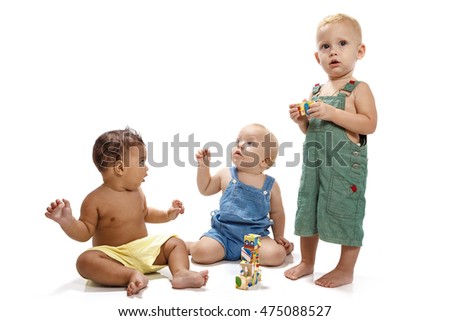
283,241
321,110
176,209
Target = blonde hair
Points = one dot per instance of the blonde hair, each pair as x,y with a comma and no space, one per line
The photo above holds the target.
342,17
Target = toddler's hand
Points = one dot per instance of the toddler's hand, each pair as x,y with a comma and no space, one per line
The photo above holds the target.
294,113
176,209
321,110
284,242
202,157
60,212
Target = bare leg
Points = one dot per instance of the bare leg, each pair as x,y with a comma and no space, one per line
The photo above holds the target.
343,272
189,245
175,254
308,248
271,253
206,251
100,268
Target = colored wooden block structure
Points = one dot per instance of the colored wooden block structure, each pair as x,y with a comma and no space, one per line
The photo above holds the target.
250,273
304,106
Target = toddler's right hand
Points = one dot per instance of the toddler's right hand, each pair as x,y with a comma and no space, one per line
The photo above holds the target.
202,157
294,113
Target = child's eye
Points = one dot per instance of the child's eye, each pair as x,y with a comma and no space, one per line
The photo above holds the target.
142,162
325,46
342,43
251,144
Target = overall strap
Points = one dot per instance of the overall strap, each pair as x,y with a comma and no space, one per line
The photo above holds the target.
316,89
348,88
345,92
233,171
268,183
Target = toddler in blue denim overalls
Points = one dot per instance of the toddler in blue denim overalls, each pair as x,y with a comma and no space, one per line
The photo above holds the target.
243,209
250,203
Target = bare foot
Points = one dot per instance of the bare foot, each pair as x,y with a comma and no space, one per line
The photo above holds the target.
189,279
335,278
299,271
138,281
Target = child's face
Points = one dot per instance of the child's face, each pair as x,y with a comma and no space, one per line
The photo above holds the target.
135,169
338,49
252,147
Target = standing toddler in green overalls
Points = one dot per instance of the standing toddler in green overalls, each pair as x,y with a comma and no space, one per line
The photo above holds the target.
331,200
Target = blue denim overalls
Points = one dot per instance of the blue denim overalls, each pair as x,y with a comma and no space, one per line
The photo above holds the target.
243,210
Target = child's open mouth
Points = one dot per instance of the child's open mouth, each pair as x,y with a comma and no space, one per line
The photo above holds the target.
334,62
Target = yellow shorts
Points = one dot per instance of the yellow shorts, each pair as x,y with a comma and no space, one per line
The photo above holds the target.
139,254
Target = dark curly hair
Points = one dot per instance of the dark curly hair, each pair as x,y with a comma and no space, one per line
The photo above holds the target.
111,147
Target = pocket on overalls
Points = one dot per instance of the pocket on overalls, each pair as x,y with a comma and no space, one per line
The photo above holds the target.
342,197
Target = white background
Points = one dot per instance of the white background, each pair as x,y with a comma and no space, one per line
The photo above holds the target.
70,70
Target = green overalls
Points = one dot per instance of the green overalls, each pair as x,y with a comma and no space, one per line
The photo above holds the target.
331,200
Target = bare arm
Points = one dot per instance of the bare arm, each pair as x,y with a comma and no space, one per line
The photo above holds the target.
154,215
301,121
207,184
365,120
80,230
278,217
277,212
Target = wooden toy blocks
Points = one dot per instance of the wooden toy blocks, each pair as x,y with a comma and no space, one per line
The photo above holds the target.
303,107
250,273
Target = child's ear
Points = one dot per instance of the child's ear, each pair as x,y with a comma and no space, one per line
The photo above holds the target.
361,51
316,54
118,167
266,163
